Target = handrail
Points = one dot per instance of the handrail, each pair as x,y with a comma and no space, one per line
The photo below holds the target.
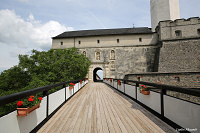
159,102
13,97
189,91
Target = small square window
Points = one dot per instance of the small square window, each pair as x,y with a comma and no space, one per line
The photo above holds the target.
98,41
198,31
61,43
178,33
177,79
79,42
140,39
198,78
117,40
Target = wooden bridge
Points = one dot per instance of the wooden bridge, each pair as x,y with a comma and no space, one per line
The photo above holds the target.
113,106
97,108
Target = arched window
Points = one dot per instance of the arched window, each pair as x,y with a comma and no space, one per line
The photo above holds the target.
112,55
97,55
84,53
112,65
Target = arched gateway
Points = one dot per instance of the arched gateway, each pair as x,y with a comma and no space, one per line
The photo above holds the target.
97,76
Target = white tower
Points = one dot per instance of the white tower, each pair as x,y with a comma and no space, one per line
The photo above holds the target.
164,10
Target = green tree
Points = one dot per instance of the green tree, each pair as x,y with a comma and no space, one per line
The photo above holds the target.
14,78
44,68
54,66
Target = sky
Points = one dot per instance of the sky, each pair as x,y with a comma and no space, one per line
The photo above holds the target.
30,24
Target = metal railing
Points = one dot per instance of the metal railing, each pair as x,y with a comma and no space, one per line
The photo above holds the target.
16,96
160,91
189,91
45,91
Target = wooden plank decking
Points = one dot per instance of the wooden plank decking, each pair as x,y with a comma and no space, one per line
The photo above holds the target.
99,109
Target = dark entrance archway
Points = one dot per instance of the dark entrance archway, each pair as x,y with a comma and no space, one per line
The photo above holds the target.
98,75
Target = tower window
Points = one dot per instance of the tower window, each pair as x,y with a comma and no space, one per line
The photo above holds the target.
177,79
117,40
140,39
98,41
61,43
198,31
178,33
79,42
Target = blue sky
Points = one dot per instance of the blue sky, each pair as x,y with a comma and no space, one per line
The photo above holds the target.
30,24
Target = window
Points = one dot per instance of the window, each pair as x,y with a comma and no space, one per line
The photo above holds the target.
84,53
97,55
98,41
198,78
112,55
117,40
178,33
79,42
198,31
61,43
112,65
177,79
140,39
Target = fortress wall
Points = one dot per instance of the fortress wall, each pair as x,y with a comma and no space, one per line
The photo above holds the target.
179,53
182,79
189,29
180,56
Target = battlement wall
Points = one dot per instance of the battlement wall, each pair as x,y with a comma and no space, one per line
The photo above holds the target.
179,29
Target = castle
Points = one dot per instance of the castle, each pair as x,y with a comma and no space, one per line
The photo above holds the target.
171,45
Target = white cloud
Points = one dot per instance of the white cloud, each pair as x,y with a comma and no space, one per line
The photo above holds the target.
19,36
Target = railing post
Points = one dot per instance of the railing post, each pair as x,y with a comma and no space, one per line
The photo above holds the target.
136,86
45,93
65,91
117,84
73,89
124,87
162,93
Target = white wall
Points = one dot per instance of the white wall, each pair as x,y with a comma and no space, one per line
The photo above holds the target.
11,123
183,113
56,99
130,90
115,84
121,87
105,41
152,100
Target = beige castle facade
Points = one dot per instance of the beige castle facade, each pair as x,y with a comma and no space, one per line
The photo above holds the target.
174,46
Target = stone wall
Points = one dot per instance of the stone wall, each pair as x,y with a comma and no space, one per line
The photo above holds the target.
127,60
182,79
189,29
180,56
180,45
